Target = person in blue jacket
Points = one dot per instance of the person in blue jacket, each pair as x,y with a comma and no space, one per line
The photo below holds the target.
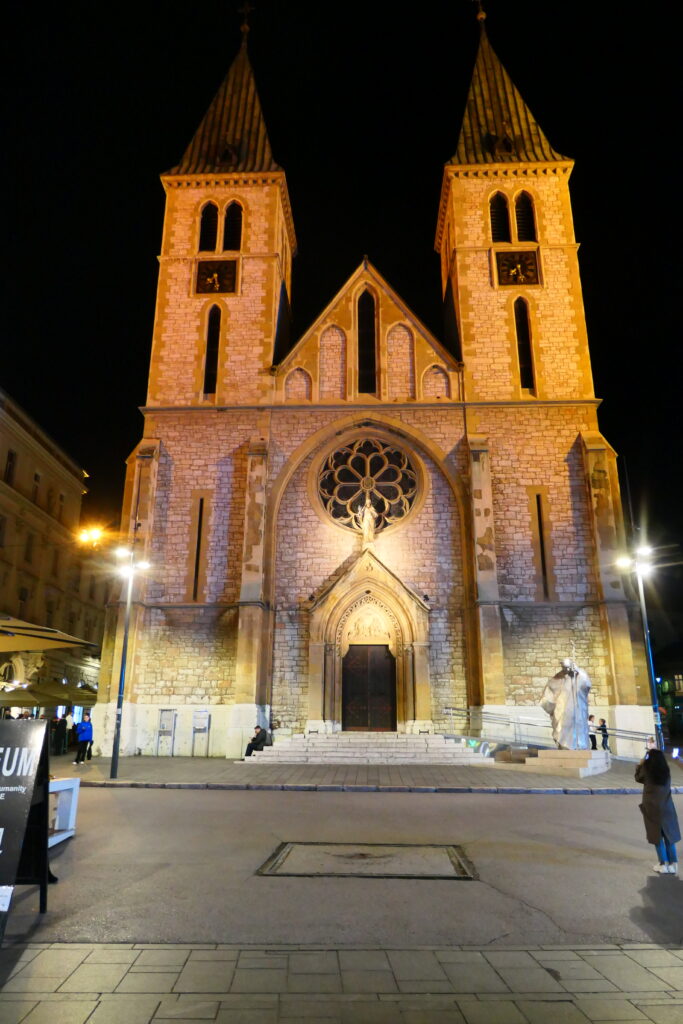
84,736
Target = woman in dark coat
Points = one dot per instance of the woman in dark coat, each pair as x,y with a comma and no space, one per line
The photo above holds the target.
659,813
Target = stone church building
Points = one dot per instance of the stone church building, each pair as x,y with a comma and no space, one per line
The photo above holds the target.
372,525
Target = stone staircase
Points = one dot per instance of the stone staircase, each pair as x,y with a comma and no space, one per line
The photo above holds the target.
368,748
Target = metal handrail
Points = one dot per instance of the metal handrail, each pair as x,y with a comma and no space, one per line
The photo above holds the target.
521,723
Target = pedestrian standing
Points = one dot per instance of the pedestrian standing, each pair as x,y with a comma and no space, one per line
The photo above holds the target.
659,813
591,732
84,735
602,728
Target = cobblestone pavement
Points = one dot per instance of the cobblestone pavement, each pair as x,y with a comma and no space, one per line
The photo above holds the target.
137,984
218,773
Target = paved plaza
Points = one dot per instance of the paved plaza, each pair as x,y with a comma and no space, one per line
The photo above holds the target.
160,913
136,984
217,772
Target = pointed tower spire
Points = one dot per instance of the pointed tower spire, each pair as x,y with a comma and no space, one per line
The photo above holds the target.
232,136
498,127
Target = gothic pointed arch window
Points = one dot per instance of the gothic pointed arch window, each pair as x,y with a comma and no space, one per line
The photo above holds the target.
208,228
500,218
367,345
524,218
524,353
232,228
213,334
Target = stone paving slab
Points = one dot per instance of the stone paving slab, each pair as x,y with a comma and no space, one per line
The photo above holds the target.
142,984
218,773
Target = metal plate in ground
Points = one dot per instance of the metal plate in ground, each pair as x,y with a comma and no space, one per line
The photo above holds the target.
368,860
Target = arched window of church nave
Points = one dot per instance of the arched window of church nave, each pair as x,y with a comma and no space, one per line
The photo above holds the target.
367,345
524,218
208,229
500,218
435,383
523,331
232,232
213,335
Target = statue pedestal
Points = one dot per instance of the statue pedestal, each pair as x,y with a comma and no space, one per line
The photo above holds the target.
576,763
579,763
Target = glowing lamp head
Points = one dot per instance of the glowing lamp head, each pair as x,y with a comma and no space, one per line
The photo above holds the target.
624,562
122,552
644,551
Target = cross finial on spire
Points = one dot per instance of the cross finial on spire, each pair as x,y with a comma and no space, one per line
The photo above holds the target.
245,10
481,13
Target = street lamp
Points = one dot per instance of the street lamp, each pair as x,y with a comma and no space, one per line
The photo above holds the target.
642,566
129,571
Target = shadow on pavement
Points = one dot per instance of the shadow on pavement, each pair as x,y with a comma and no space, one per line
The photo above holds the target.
661,914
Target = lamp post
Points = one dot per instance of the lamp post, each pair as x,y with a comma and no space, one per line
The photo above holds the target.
95,537
642,566
128,571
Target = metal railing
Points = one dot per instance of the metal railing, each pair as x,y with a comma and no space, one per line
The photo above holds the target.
500,728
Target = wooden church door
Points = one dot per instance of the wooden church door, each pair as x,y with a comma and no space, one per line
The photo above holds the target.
369,689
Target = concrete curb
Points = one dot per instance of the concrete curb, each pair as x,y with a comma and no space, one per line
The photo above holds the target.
341,788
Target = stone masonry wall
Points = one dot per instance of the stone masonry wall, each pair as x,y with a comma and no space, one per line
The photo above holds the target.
333,363
186,656
560,350
540,448
248,316
424,553
536,639
400,363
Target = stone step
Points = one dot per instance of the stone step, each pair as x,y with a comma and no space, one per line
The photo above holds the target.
379,759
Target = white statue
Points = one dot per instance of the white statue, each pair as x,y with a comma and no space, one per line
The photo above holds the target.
367,520
565,699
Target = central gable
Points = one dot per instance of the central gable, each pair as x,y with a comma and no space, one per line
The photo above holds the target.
367,346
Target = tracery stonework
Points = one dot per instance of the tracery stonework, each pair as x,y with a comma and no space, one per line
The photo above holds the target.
368,471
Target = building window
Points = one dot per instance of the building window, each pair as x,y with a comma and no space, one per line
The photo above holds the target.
540,537
213,334
208,231
500,218
3,530
91,588
55,562
367,353
367,471
28,548
49,613
23,602
35,489
523,331
60,509
10,467
524,217
232,233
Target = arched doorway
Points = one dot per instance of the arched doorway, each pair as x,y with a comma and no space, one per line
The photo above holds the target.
369,689
368,654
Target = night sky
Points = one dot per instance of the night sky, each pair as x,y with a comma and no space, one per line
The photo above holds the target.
363,105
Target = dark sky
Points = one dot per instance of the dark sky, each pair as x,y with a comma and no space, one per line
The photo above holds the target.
363,105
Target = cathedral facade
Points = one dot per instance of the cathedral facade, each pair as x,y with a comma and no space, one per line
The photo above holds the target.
371,529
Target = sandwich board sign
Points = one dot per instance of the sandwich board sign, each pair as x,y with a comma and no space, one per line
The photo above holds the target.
24,785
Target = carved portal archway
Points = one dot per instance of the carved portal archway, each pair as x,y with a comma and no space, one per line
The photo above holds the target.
369,605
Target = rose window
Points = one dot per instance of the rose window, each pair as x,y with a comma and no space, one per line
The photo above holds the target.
367,469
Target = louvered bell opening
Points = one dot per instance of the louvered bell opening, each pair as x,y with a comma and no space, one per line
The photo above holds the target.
524,215
500,219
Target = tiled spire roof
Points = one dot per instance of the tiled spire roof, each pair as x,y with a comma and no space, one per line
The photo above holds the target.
498,127
232,136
